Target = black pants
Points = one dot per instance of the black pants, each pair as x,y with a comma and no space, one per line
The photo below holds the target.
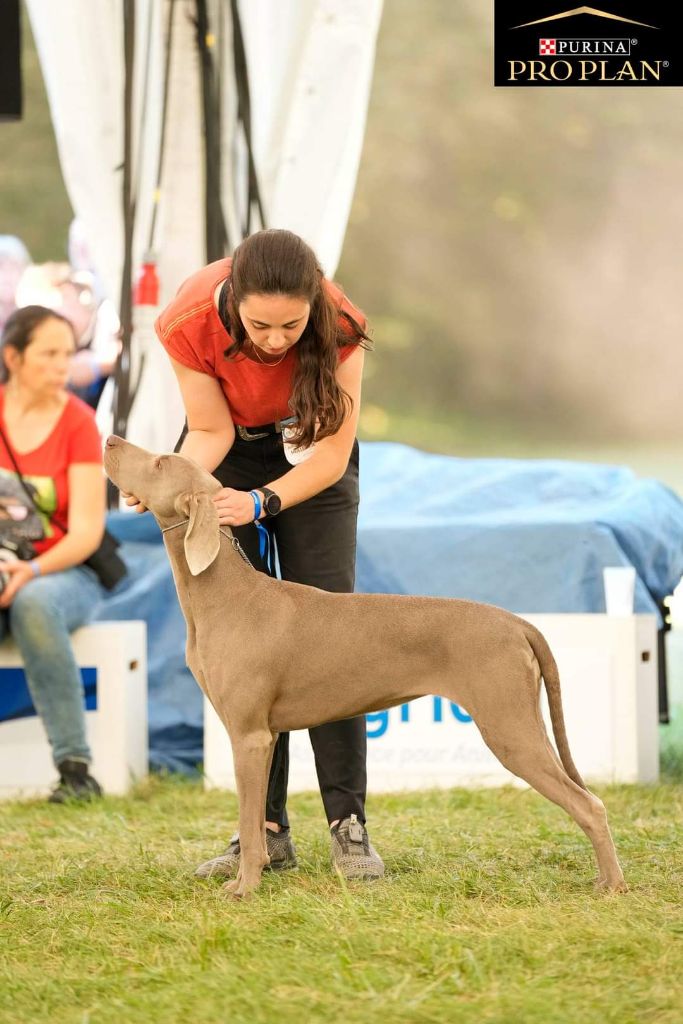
316,545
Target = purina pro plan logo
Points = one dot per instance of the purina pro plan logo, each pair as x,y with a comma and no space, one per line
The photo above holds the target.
623,43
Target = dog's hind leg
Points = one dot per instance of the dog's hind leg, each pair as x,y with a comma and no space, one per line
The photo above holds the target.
252,755
522,745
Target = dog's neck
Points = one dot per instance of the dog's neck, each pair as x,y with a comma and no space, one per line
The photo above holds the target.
230,556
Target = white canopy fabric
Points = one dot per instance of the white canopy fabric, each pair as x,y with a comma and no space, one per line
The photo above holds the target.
310,69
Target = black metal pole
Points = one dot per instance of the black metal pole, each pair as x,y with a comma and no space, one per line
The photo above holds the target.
122,378
216,233
168,54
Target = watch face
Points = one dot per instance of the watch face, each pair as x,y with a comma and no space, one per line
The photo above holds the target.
273,504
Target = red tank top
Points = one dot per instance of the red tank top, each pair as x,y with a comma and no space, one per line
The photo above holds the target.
191,331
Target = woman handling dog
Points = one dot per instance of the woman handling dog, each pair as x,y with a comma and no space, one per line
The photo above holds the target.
52,512
269,358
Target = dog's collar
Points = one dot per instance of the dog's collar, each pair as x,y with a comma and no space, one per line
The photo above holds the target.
165,529
231,537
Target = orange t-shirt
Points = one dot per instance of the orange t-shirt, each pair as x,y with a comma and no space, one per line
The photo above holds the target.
191,331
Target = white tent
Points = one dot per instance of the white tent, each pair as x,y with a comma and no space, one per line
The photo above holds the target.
308,72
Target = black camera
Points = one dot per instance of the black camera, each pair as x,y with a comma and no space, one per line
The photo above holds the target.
10,551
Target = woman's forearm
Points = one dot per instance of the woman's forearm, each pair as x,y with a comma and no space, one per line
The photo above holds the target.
329,459
207,448
311,477
71,550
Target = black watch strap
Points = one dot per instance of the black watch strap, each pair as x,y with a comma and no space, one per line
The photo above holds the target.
271,501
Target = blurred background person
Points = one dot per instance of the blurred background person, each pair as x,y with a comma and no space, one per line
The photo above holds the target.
50,455
74,293
97,327
14,259
90,372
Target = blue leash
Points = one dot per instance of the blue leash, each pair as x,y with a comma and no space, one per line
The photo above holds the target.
265,546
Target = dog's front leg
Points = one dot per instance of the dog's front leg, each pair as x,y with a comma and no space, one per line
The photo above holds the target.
252,754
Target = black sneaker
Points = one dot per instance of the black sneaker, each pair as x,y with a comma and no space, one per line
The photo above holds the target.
353,855
75,783
280,850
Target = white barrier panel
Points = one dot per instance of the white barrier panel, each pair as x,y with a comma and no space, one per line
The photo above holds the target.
112,657
608,670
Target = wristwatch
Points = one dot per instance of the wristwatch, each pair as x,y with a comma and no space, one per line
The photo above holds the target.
271,501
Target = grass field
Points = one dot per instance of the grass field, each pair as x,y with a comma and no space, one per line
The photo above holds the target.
487,913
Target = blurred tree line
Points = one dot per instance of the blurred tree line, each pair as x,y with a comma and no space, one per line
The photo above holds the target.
517,250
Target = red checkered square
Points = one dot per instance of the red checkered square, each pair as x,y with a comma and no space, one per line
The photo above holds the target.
546,47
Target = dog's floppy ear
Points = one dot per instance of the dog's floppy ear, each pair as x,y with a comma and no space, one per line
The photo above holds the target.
202,540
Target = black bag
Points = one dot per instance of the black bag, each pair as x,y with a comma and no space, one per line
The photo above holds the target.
109,566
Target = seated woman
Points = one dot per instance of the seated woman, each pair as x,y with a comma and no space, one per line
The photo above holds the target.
54,489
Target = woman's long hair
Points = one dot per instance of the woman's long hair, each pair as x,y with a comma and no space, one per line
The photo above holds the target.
276,262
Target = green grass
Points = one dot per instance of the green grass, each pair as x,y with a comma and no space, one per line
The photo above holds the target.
487,913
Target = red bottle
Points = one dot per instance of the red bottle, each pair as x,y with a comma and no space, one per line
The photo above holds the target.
146,292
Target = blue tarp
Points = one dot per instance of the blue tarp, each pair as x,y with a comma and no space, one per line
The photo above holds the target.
529,535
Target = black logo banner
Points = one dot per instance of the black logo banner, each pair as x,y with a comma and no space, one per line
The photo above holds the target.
609,43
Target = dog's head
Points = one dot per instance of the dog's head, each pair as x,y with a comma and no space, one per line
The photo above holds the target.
173,488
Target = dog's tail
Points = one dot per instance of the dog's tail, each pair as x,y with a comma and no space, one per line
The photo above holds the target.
551,677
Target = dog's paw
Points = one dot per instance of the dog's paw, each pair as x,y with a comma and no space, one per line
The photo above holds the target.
238,889
242,887
607,885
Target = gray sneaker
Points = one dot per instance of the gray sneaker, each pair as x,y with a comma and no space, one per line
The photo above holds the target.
75,783
352,852
280,850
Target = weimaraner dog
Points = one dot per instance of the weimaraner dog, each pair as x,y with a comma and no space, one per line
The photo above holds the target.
273,656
